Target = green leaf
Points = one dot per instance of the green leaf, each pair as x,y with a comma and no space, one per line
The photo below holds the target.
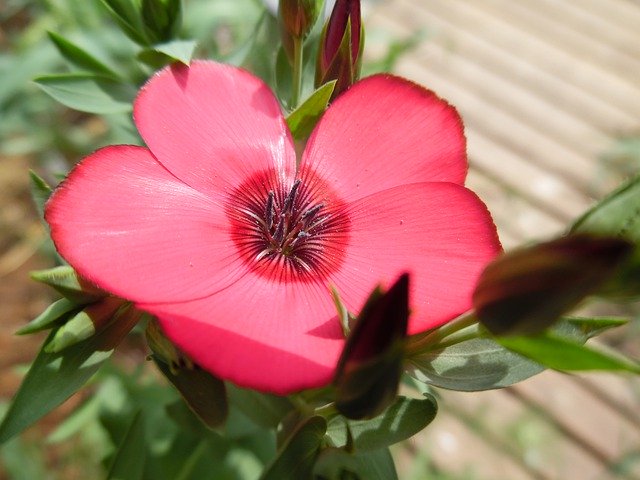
128,463
88,92
40,192
52,315
590,327
203,393
79,57
483,364
128,17
618,214
54,377
86,322
162,18
400,421
263,409
564,354
338,464
298,455
180,50
65,281
303,119
473,365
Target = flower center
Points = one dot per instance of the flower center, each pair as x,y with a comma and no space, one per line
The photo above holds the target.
295,233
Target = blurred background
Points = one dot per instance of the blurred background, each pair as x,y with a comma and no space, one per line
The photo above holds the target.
550,94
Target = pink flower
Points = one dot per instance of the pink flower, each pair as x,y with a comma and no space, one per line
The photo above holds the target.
216,231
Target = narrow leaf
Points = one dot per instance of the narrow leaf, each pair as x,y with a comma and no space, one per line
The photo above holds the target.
473,365
618,214
263,409
80,57
65,280
88,92
54,377
564,354
339,464
298,455
40,192
126,13
400,421
202,392
86,322
52,315
180,50
304,118
128,463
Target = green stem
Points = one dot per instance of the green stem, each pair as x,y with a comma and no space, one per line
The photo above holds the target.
297,72
424,344
468,333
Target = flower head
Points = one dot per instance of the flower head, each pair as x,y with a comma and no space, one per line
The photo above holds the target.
215,230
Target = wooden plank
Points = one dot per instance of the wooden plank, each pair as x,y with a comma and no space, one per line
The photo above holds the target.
562,143
551,24
555,61
600,430
514,67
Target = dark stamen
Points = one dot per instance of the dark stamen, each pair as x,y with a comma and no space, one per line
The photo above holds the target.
288,202
270,210
278,236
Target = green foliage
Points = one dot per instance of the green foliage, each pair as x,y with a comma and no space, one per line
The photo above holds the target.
402,420
54,314
203,393
88,92
338,464
80,58
298,455
477,363
128,462
304,118
561,353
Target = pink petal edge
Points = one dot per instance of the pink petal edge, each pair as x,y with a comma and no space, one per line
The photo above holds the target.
214,125
383,132
128,225
440,233
260,334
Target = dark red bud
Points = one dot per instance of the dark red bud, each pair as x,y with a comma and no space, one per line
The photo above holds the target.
341,47
526,291
370,366
297,17
343,11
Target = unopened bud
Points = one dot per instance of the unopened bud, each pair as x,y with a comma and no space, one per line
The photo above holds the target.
341,43
526,291
370,366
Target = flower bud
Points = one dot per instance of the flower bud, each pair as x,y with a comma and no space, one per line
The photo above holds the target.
341,43
526,291
370,366
297,17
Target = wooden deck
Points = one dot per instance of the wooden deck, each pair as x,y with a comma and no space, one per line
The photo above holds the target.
545,88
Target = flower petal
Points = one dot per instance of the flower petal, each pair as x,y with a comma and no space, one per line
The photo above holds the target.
261,334
440,233
213,125
383,132
128,225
